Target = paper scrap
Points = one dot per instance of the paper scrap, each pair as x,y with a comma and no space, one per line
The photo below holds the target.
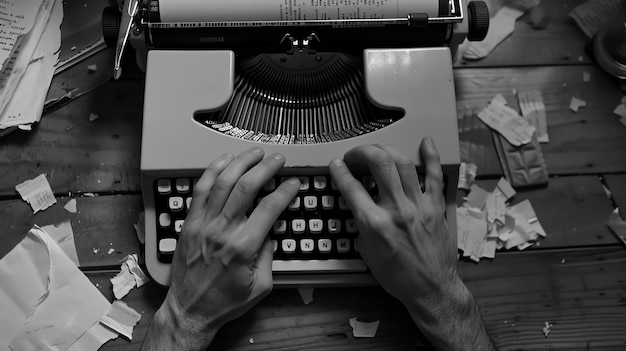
617,225
467,174
131,275
576,103
251,340
49,300
620,110
140,227
306,294
477,197
507,122
363,330
93,117
111,250
501,25
546,329
534,111
37,193
592,14
92,68
496,207
121,318
505,188
63,235
70,206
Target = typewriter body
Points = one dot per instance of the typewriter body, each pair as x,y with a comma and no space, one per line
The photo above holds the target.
310,80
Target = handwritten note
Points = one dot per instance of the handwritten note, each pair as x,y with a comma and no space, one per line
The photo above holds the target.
16,18
534,111
37,193
592,14
507,122
63,235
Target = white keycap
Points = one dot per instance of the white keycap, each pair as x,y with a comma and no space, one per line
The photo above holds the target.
298,226
343,245
310,202
316,225
328,202
319,183
304,183
178,225
307,245
324,245
182,185
176,203
334,226
164,186
343,205
295,204
288,245
351,226
165,220
167,246
280,226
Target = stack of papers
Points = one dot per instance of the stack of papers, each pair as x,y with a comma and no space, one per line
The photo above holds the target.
30,40
486,222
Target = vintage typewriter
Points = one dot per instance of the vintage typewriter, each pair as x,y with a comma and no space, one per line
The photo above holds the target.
310,79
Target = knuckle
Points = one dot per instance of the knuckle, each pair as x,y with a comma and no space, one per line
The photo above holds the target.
376,221
245,185
270,202
222,184
384,160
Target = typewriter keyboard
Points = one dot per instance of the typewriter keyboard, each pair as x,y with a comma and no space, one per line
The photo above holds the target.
317,225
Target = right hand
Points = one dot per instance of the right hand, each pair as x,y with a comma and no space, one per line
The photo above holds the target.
403,235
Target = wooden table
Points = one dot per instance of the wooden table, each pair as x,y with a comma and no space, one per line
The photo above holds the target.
575,278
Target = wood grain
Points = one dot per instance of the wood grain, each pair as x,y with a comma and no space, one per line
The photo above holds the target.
581,292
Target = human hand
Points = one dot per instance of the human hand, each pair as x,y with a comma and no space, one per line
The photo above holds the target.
403,235
223,262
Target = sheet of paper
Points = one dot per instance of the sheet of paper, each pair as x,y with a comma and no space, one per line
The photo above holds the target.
495,206
489,249
576,103
507,122
592,14
534,111
363,330
22,54
63,235
121,318
16,18
45,298
505,188
525,209
25,105
93,338
476,197
37,193
467,174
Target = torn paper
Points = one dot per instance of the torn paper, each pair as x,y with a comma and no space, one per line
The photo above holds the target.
534,111
37,193
130,276
508,123
476,197
70,206
45,299
617,225
17,18
620,110
363,330
121,318
505,188
592,14
576,103
501,25
306,294
467,174
93,117
63,235
547,328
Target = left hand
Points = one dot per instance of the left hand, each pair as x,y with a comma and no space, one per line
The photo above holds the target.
223,264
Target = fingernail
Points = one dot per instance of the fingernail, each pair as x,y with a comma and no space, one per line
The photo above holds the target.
256,150
430,142
293,181
278,157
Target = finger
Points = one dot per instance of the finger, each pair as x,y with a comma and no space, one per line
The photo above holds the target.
248,185
202,188
267,211
407,172
358,199
264,282
225,182
383,168
434,175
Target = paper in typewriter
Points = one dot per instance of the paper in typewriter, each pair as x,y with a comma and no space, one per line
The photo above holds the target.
290,10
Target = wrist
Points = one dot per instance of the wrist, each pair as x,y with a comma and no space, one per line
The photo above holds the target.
174,329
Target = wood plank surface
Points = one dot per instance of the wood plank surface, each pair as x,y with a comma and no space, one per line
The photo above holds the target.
582,142
560,43
617,186
581,292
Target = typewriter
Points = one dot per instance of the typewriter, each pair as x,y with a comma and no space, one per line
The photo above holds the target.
309,79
